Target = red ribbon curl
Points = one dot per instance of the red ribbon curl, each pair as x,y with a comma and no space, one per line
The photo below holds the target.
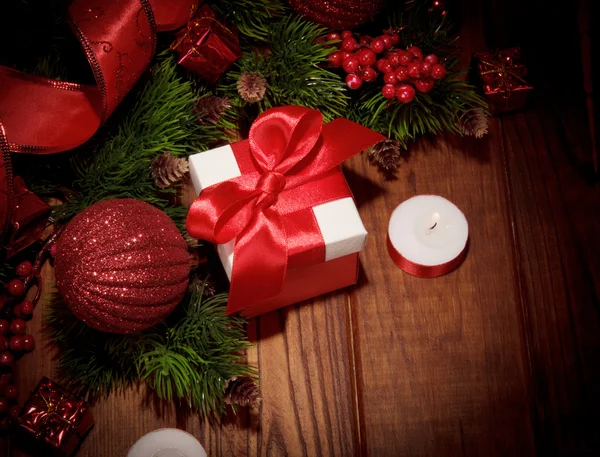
296,159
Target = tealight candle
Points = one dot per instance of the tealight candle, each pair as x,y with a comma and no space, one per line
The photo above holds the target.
167,442
427,236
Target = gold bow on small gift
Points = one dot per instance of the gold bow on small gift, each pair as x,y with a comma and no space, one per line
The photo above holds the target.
502,72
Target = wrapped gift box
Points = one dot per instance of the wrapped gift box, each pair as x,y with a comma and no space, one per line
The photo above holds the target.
340,225
206,46
326,237
55,418
502,76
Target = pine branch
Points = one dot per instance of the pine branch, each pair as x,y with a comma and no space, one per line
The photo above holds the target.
162,119
253,18
293,69
188,358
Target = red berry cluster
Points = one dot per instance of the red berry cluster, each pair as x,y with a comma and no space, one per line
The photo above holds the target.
403,70
13,341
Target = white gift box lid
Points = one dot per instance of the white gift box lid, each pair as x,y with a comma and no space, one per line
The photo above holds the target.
338,220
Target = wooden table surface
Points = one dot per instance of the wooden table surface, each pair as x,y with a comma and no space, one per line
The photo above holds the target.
498,358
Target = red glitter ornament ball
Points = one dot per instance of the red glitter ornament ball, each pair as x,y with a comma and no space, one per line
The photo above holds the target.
121,266
338,14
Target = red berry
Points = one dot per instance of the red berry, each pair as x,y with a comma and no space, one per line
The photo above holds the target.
424,85
414,70
365,41
415,50
24,268
335,59
350,65
4,326
17,311
18,326
16,287
26,308
389,78
369,75
402,74
366,57
334,36
4,424
353,81
395,38
404,57
394,59
345,55
425,68
438,71
6,359
405,93
3,343
16,343
388,91
346,34
11,392
431,58
387,41
14,412
5,379
377,46
384,66
4,405
28,343
349,44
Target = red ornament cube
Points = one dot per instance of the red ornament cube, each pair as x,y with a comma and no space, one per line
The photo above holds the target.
206,47
56,418
501,75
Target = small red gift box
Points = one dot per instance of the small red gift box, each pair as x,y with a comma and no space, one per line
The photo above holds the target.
206,47
28,219
279,209
502,76
56,417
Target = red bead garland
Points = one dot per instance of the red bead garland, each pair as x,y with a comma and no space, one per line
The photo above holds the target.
405,71
13,341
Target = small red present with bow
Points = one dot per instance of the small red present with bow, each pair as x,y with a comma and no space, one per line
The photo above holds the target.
279,209
56,418
207,47
502,75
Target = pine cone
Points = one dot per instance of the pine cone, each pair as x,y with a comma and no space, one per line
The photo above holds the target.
209,109
252,86
242,391
168,169
474,123
386,155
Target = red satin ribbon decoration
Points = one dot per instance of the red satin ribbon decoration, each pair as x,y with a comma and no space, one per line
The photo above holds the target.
40,115
295,156
424,271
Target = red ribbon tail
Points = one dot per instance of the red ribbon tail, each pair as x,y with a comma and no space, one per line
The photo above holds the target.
259,262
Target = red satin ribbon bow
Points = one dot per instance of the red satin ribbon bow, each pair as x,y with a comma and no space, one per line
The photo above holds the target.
296,157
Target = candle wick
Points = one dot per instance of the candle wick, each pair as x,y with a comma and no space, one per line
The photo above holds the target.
433,226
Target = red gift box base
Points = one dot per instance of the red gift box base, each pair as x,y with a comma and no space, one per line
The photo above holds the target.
310,282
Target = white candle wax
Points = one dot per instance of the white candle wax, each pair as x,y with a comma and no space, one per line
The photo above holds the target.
428,230
167,442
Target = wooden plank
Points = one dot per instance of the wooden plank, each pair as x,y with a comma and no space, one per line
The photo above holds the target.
556,236
441,363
